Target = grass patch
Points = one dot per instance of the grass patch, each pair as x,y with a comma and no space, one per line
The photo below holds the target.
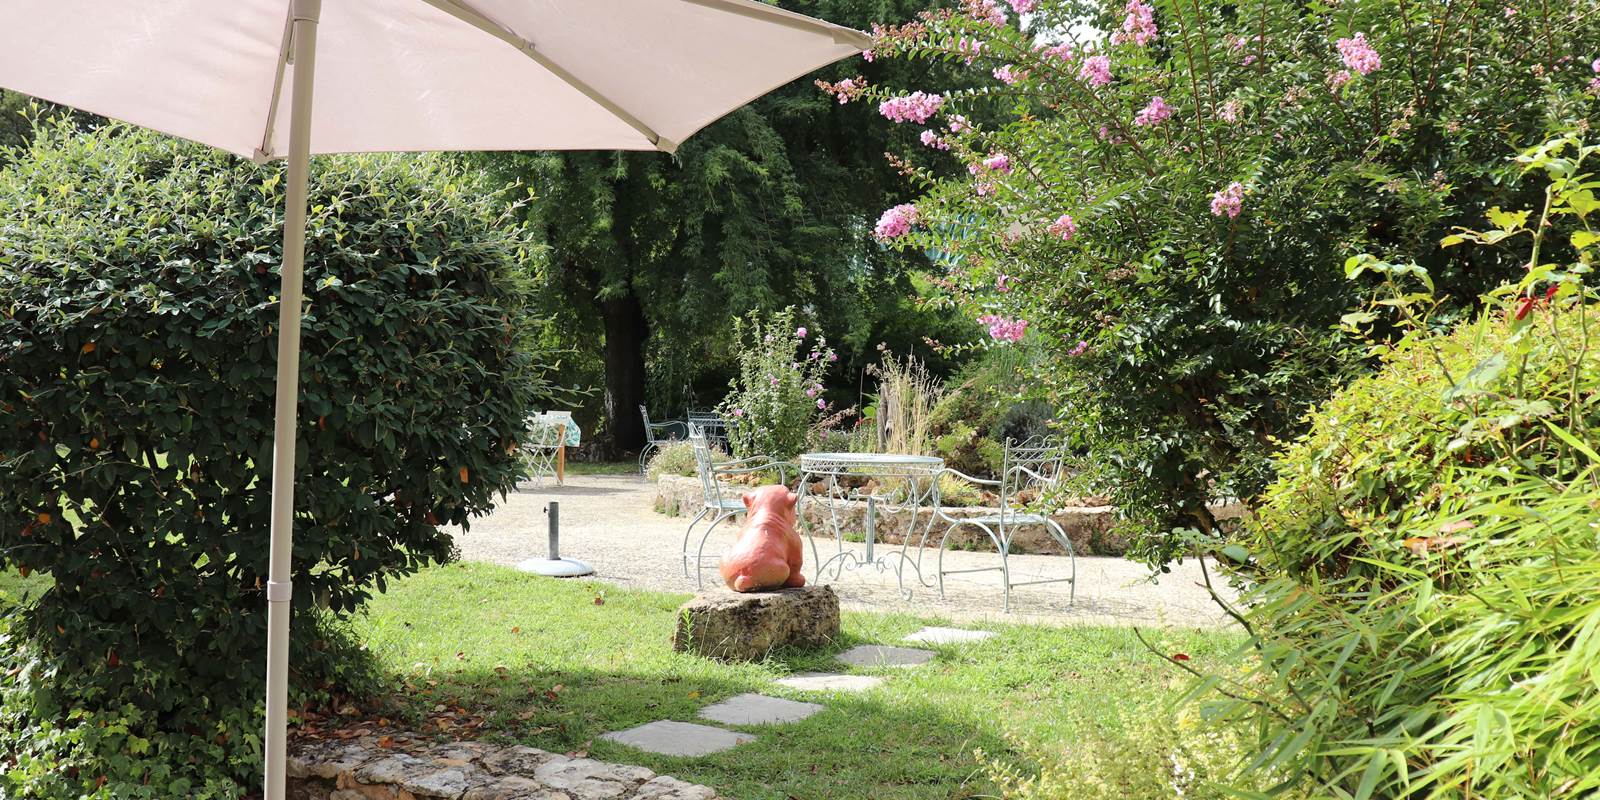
13,586
548,667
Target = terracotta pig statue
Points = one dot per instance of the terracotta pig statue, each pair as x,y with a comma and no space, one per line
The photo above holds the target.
768,553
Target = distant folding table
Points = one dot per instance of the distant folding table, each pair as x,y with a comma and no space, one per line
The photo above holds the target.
868,485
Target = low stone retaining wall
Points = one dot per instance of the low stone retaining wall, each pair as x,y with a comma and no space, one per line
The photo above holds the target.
1088,527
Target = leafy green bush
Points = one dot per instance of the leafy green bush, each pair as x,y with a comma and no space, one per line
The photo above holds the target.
984,402
778,393
1424,568
674,458
1161,192
1155,754
138,277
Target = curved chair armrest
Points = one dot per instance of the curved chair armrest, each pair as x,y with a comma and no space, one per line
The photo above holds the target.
675,429
968,478
1049,479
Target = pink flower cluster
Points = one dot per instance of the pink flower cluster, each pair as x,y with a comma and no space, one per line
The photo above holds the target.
1340,78
1024,6
1003,283
931,139
1594,84
1096,71
915,107
1359,55
1228,201
1078,349
845,90
1009,74
985,11
1063,227
957,123
1005,329
999,162
1229,112
896,222
970,49
1154,114
1061,52
1139,26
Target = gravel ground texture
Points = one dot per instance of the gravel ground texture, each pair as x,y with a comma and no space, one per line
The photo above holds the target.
608,521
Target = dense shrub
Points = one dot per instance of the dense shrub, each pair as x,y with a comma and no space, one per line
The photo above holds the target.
1424,568
777,395
992,397
1170,188
673,458
138,277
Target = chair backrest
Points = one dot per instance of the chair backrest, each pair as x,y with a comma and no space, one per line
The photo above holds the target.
649,432
545,432
1036,464
704,464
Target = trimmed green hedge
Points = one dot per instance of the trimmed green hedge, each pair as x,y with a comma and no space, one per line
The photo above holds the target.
138,277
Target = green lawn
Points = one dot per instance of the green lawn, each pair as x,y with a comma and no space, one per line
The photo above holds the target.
549,667
13,585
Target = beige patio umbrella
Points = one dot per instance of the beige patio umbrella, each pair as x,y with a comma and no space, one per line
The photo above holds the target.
398,75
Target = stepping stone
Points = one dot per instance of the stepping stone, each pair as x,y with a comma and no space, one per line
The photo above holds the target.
830,682
671,738
758,709
948,636
878,655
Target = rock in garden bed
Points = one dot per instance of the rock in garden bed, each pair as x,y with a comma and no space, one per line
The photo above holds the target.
729,626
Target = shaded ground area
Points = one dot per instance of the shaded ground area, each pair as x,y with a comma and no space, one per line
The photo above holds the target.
607,520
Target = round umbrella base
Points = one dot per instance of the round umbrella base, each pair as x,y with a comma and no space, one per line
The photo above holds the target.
556,567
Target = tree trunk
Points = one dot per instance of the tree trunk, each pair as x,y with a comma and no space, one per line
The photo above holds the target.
626,333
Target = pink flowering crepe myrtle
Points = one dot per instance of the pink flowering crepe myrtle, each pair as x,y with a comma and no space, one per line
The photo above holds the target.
1063,227
916,107
1138,26
1009,74
896,222
1005,329
1229,201
1359,55
933,140
1095,71
1153,114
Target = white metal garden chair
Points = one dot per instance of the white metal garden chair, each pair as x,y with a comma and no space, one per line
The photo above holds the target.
544,445
719,504
1033,466
656,434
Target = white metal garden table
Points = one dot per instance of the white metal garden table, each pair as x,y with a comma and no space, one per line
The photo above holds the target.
887,483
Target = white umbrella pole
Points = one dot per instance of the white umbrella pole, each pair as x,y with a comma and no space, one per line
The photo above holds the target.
304,53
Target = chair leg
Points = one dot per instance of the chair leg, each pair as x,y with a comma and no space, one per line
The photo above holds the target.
1072,558
683,555
699,556
644,456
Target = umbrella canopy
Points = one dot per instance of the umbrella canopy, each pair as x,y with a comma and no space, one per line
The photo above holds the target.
406,75
251,77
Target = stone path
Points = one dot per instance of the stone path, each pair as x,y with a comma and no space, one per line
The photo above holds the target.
673,738
607,521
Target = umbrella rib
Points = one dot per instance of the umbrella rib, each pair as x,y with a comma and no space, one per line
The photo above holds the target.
264,152
477,20
766,13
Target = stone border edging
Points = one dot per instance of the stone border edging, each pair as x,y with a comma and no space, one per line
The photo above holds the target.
410,768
